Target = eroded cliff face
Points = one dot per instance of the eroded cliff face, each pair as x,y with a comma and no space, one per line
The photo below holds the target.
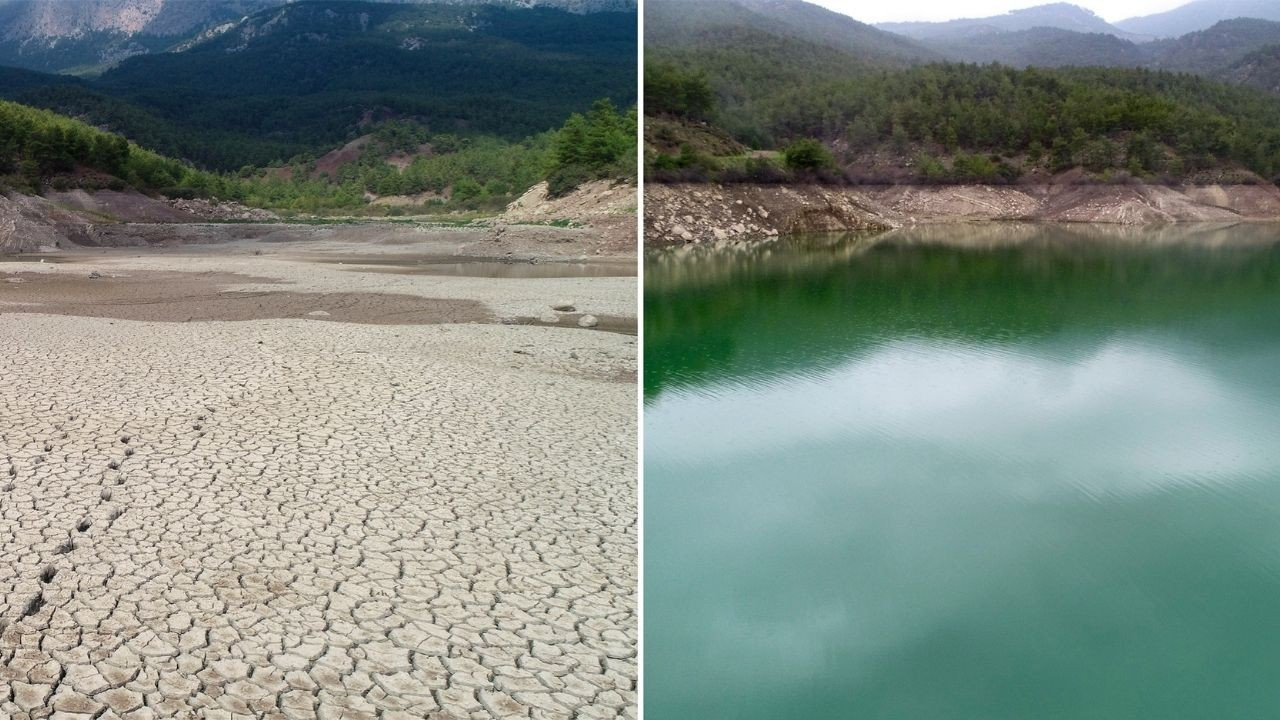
676,214
33,224
63,220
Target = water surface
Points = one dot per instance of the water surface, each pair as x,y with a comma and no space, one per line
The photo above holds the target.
965,473
476,267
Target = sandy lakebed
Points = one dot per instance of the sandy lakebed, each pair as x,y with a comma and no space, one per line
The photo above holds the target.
244,475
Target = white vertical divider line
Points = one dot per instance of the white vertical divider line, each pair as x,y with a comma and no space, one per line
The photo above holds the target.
640,358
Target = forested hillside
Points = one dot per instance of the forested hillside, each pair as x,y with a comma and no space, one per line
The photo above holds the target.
89,36
733,25
946,122
40,150
1210,52
306,77
1042,47
452,172
1198,15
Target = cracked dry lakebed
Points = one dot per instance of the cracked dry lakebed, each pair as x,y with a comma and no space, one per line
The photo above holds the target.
249,485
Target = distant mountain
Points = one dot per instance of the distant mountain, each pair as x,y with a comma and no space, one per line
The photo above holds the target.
62,35
820,25
89,35
671,23
1215,52
1212,51
754,50
1260,69
301,77
718,66
65,19
1042,47
1199,15
1061,16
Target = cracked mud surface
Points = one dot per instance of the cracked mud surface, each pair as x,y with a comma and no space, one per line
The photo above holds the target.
298,519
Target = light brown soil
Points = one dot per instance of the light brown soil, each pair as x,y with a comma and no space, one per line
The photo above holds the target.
602,208
192,297
676,214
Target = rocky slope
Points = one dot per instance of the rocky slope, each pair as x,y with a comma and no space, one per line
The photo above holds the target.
676,214
605,208
67,219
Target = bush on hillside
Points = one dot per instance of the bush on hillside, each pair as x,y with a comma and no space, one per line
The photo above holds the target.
807,154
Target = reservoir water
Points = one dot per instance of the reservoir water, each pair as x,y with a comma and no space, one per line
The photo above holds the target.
961,473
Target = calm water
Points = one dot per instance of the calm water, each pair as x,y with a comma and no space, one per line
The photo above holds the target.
1002,473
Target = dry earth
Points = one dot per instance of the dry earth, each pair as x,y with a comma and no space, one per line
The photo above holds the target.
677,214
300,514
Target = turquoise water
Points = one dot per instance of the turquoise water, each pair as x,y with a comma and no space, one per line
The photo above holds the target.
965,473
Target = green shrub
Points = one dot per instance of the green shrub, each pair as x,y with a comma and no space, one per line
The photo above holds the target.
807,154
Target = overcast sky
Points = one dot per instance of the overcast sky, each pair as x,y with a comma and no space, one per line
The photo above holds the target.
874,11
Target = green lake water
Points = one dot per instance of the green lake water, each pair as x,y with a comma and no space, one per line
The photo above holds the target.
970,473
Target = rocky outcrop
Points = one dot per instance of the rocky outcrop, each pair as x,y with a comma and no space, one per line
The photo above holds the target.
590,201
676,214
66,219
33,224
222,211
709,213
605,208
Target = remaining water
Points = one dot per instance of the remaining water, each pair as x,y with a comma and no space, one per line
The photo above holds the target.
471,267
1011,472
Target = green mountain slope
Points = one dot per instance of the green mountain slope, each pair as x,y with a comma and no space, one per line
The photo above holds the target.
1042,47
749,55
87,36
1259,69
1213,50
964,122
1060,16
674,24
308,76
39,148
1199,15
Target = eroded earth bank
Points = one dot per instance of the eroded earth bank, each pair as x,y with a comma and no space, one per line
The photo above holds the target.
697,213
356,471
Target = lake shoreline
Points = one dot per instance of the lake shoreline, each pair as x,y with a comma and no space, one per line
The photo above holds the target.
710,213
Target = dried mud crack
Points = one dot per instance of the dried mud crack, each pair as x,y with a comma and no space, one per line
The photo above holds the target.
299,519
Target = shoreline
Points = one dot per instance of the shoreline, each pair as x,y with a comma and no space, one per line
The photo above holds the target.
680,214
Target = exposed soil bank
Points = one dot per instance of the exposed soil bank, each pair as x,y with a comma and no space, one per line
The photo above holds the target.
676,214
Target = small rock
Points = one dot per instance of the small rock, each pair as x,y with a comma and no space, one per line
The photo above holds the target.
588,321
563,306
95,275
318,313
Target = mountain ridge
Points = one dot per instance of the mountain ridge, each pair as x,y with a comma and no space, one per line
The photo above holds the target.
1199,15
1061,16
86,36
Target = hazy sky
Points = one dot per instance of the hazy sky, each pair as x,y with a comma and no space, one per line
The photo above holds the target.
874,11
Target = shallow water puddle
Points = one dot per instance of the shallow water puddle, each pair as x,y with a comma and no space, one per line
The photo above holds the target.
462,267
